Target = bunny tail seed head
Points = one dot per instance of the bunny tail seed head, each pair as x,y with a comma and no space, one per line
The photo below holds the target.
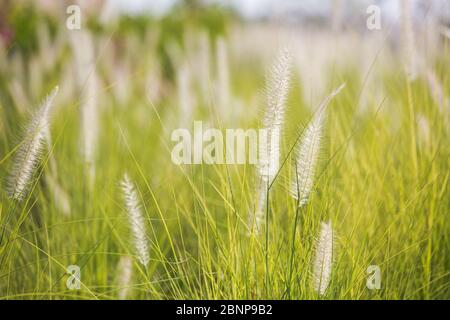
277,90
90,124
308,153
30,151
277,87
323,259
125,270
408,41
257,221
278,79
136,220
445,32
223,77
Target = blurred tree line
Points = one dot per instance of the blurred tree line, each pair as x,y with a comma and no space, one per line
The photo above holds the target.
19,22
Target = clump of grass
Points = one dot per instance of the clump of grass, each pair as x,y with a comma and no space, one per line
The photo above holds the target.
391,213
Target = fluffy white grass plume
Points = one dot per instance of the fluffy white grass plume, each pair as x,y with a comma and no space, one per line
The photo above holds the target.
445,32
308,153
82,46
204,60
337,15
437,91
277,89
323,260
260,214
122,82
423,126
60,196
125,272
223,77
153,85
184,93
136,220
90,124
408,42
87,82
30,151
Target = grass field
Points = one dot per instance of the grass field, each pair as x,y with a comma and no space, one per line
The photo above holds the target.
382,176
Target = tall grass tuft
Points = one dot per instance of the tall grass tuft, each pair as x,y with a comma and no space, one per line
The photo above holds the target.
30,151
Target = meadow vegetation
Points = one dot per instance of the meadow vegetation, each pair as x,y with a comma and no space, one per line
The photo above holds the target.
103,193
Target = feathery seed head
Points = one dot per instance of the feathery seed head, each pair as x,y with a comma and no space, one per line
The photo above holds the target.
308,153
445,32
408,41
136,220
436,89
125,272
277,89
30,151
89,119
278,78
277,86
223,77
323,259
